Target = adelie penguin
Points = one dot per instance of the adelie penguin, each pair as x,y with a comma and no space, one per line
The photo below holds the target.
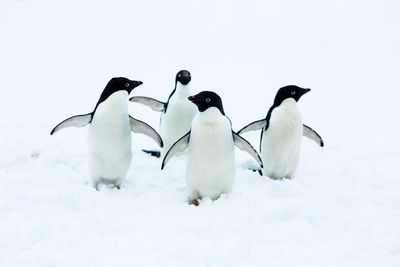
109,138
281,134
210,169
177,112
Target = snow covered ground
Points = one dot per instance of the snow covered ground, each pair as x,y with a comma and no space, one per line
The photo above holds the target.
342,209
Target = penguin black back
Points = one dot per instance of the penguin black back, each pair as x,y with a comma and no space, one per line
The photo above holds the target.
207,99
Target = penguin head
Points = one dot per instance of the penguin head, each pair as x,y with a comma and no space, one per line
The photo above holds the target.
290,91
183,77
207,99
115,85
121,83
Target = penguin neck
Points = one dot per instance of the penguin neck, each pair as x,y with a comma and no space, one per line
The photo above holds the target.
115,104
210,115
289,105
278,101
288,102
182,91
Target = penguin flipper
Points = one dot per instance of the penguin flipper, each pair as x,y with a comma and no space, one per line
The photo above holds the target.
138,126
179,146
313,135
244,145
75,121
150,102
253,126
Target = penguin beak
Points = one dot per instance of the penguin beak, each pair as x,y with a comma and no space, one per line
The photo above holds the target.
192,99
305,91
133,84
136,83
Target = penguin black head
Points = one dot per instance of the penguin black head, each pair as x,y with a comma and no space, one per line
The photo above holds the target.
207,99
290,91
183,77
115,85
121,83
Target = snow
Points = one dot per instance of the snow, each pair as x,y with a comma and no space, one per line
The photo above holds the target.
342,209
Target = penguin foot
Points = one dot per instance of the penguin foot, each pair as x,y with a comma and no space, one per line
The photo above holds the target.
95,185
194,202
153,153
257,170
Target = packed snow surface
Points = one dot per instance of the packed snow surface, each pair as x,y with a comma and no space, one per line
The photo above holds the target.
343,207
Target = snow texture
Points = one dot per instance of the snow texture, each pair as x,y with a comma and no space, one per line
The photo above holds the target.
343,207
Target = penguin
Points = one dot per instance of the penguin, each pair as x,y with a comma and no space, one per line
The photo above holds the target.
109,136
177,113
210,169
281,134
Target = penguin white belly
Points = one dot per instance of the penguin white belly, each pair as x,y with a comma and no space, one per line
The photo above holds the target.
109,141
210,168
176,122
281,143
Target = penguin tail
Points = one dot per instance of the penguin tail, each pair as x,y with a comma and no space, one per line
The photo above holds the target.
153,153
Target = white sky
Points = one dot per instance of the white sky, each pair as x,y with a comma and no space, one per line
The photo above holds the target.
57,56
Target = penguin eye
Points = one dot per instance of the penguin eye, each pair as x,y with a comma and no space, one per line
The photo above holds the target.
293,92
127,85
208,100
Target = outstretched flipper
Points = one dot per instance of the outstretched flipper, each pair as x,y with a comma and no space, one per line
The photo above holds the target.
313,135
138,126
75,121
179,146
150,102
253,126
242,144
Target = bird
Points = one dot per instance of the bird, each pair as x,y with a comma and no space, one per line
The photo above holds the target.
281,134
210,169
177,112
109,136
